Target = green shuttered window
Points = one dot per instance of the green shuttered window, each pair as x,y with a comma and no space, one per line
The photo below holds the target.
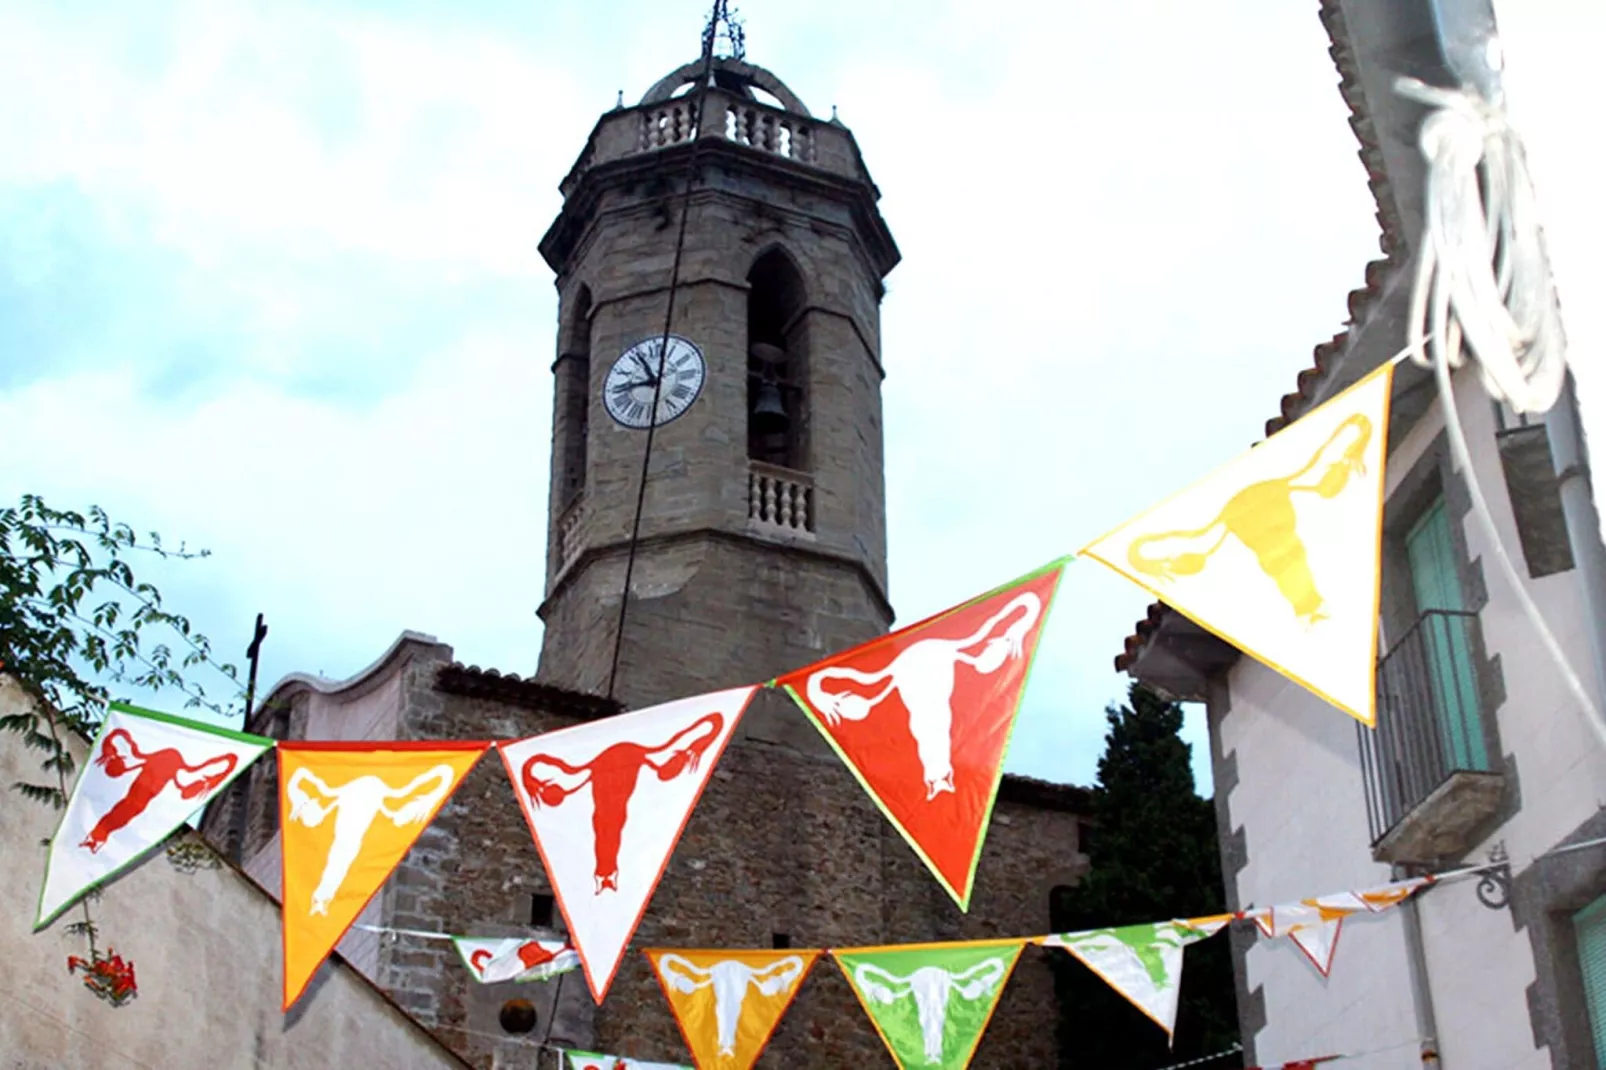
1590,926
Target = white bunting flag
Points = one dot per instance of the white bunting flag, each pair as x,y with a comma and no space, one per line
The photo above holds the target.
146,774
1278,551
607,802
494,959
1314,925
590,1060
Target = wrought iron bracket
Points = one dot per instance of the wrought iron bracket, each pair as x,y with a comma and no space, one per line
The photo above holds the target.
1494,886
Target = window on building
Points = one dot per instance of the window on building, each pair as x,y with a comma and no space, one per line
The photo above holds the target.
1535,492
1441,642
777,344
517,1017
1084,837
1589,926
541,910
573,399
1062,916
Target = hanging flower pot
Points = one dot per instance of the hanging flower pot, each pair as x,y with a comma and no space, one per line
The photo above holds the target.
109,976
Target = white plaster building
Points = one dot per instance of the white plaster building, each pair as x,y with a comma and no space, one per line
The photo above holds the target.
1479,749
205,945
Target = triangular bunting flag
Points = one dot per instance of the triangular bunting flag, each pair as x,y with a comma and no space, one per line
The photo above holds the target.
607,802
1278,552
922,718
146,774
590,1060
1314,925
930,1003
1142,962
729,1002
494,959
348,812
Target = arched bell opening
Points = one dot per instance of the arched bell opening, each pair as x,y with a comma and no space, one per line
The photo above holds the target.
572,400
777,352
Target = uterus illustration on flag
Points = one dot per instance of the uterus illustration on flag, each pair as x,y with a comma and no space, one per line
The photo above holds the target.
930,1003
348,812
728,1003
606,803
1142,962
495,959
1279,551
1314,925
146,774
922,717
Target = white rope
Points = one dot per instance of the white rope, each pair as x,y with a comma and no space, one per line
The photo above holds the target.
1482,282
1482,256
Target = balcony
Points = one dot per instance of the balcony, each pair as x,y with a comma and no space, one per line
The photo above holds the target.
649,128
1430,781
570,537
779,501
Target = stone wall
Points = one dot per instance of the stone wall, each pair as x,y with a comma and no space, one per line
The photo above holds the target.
782,842
207,954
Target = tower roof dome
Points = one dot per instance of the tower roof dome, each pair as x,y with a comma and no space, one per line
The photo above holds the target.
733,76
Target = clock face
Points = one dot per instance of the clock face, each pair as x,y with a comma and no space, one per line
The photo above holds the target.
627,392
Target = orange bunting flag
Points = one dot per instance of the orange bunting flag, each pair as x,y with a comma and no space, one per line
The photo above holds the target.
348,812
922,717
728,1003
1314,925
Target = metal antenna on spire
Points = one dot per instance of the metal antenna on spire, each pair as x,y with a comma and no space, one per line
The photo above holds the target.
724,25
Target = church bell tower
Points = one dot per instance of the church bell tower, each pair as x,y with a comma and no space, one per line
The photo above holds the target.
762,535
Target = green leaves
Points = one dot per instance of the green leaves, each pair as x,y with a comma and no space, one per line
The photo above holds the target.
74,619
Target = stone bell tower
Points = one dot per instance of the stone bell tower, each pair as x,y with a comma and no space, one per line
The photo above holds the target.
762,542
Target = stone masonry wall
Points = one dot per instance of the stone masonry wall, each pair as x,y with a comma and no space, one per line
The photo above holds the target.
782,842
709,613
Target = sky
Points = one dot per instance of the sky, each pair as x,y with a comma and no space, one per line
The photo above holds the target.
269,286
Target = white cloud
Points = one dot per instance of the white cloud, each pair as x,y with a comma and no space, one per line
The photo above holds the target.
1124,229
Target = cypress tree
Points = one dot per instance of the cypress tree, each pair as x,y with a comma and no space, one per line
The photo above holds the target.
1153,857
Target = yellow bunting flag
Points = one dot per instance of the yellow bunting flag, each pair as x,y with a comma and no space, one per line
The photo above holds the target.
1278,551
348,812
729,1002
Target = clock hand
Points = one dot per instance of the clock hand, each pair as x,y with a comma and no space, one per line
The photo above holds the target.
645,370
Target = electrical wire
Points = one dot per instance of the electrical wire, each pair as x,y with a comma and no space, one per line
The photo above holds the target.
1483,287
707,76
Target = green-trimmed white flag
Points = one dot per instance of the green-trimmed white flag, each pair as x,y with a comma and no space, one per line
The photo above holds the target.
930,1003
147,773
1142,962
493,959
590,1060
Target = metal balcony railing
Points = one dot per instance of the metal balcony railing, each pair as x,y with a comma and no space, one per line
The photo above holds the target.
1430,720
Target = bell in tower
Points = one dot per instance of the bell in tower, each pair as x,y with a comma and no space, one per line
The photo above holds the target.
760,541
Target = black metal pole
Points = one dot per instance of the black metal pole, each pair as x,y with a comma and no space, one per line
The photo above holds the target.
242,803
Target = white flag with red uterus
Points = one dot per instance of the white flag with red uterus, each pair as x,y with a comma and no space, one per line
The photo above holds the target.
606,803
145,775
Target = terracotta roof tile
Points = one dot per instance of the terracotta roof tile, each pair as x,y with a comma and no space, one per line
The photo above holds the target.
472,681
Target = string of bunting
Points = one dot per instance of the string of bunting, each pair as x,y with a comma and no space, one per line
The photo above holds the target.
1277,552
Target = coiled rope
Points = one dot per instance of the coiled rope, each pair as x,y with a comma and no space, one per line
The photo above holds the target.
1483,289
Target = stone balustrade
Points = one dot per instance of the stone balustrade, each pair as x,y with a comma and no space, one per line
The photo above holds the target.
569,536
780,499
651,127
771,130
